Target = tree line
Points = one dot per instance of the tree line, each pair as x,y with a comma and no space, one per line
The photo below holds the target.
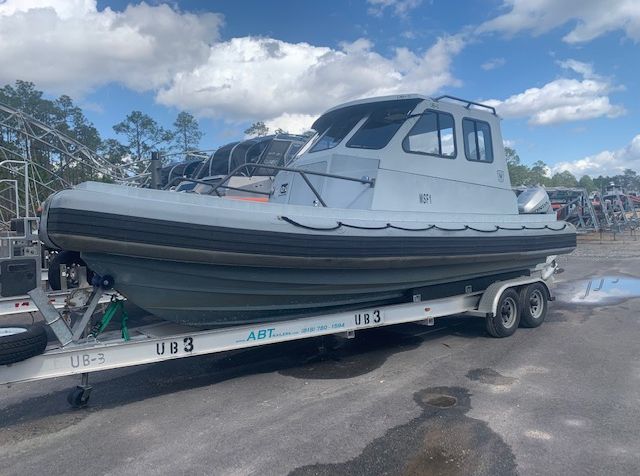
260,129
138,133
537,174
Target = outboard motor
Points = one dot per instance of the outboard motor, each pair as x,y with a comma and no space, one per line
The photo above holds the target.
534,200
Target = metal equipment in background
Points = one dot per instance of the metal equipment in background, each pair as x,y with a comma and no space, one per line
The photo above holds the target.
574,206
68,162
615,212
23,262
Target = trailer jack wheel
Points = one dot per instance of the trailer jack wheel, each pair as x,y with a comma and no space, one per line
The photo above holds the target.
79,396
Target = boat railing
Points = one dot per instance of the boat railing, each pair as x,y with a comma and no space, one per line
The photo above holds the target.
467,103
303,173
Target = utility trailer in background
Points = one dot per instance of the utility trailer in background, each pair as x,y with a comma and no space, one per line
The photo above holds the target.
23,260
21,270
11,306
503,304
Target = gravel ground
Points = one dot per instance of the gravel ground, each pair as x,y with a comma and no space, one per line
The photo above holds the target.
411,400
608,246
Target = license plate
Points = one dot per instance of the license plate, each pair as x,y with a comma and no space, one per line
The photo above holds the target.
373,317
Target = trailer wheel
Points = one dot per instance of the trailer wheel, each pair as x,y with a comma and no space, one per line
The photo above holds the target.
506,319
19,342
533,299
69,259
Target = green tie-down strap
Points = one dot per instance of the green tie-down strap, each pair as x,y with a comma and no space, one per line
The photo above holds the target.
113,308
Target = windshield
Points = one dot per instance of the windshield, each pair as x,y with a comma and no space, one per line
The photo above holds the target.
382,125
336,131
384,118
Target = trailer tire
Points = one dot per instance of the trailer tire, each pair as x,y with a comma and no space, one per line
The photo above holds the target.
67,258
534,302
20,342
504,322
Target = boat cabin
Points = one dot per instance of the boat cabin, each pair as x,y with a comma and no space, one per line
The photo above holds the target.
413,153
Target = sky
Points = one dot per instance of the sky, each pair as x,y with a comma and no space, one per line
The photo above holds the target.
563,75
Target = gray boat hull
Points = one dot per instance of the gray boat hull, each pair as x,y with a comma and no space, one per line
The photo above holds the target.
213,295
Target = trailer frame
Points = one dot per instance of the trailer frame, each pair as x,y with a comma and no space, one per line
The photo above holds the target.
80,353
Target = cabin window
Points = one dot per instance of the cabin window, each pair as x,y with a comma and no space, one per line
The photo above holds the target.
337,131
433,134
478,146
381,126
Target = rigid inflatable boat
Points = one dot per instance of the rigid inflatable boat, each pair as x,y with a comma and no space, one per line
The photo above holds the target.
394,197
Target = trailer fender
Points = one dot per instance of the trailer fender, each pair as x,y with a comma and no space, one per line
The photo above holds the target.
487,307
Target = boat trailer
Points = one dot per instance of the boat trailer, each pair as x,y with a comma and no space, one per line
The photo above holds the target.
504,305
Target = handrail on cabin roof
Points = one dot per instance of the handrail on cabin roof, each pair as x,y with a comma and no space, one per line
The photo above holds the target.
467,102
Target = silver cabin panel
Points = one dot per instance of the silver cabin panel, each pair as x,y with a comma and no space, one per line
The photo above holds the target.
401,191
347,194
299,192
290,187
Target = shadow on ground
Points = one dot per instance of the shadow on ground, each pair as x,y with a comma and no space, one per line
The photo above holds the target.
442,440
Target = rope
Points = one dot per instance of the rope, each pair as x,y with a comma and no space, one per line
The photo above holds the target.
410,229
427,228
360,227
300,225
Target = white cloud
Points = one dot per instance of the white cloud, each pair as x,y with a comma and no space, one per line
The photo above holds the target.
589,18
64,8
70,46
583,69
399,7
292,123
493,64
563,99
263,78
606,162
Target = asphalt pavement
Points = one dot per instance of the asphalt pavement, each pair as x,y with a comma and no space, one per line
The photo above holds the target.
560,399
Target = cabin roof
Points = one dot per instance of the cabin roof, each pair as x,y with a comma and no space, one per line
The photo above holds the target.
394,97
363,103
364,107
